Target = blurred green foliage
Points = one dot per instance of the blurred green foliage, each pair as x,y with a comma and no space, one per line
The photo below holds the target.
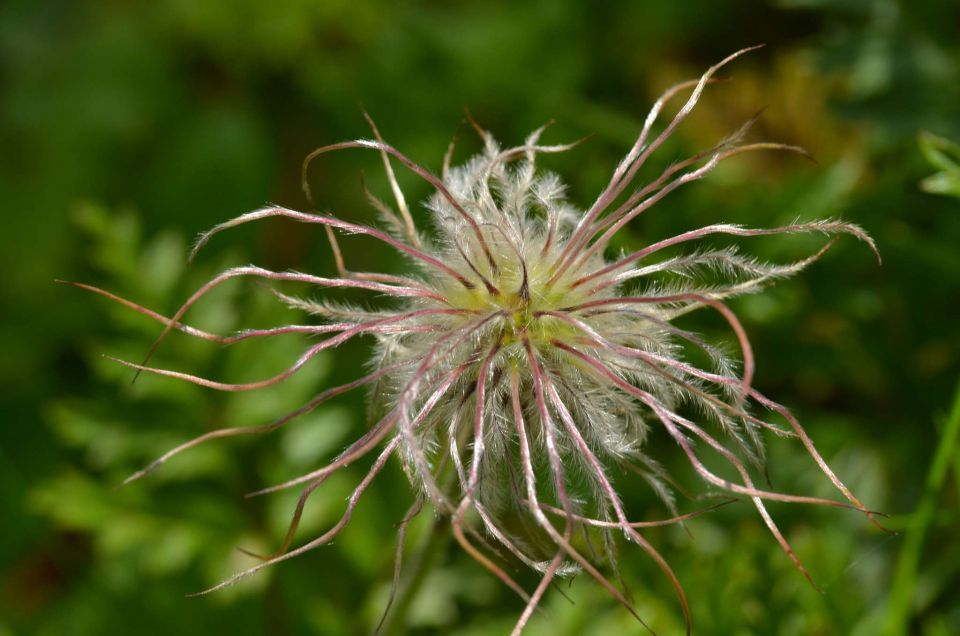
130,126
944,155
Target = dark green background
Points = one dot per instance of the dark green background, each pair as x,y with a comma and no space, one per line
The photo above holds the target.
127,127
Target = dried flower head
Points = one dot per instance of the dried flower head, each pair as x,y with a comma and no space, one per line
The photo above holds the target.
522,367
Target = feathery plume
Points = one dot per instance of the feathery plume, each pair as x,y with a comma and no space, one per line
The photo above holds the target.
518,356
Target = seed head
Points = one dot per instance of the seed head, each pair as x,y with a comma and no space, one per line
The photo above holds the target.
522,369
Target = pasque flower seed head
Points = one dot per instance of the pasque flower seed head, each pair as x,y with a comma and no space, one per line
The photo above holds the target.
522,369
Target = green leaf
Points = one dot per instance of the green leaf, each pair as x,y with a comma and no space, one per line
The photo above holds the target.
940,152
945,155
942,183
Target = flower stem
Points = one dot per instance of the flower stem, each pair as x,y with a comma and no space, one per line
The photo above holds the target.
433,544
902,595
